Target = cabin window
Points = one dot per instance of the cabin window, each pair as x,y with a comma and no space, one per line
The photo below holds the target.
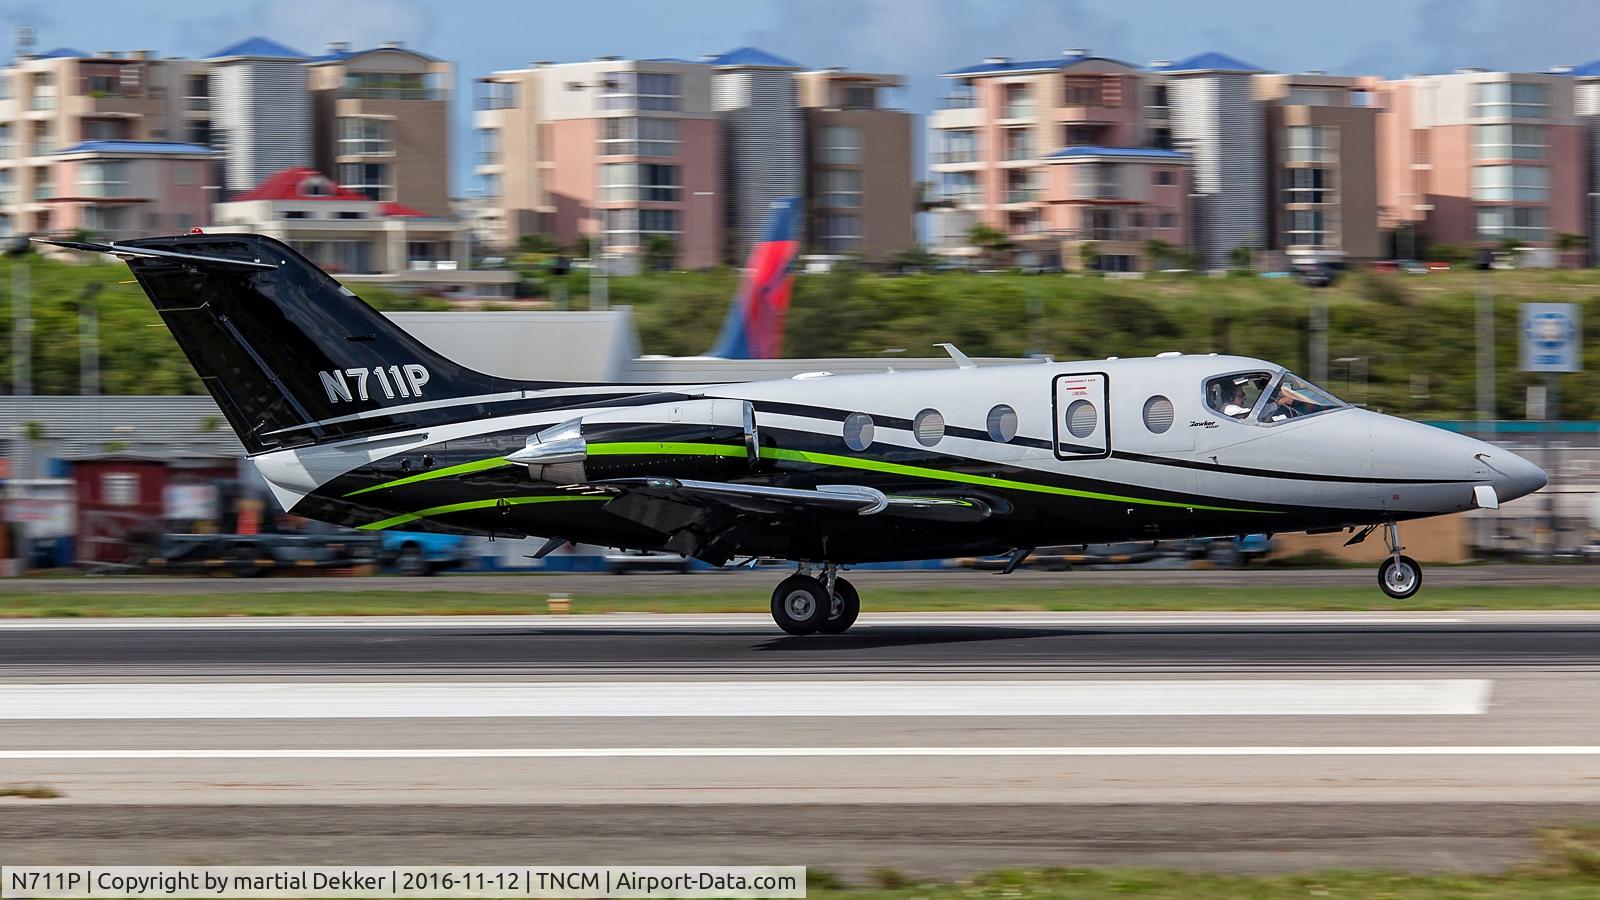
1081,418
1293,397
1158,414
1002,424
928,427
1235,395
858,431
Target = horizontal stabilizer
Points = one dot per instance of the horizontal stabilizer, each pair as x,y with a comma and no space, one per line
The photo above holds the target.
126,252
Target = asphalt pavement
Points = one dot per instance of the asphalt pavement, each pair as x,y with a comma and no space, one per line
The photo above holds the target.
939,744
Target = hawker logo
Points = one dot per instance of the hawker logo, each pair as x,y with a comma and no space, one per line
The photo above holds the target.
346,385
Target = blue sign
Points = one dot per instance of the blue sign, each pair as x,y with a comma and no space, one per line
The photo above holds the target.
1552,338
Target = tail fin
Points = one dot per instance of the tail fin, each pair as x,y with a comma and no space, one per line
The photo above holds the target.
291,355
754,326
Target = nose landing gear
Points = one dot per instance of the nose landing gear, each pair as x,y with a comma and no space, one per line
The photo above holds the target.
1399,576
803,604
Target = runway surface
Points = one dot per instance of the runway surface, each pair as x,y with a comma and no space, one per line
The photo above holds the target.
758,583
941,744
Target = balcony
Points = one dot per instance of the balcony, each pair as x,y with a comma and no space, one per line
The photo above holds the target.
197,104
42,102
956,156
1017,111
1012,154
1023,194
1158,113
1092,192
395,93
44,190
959,101
43,148
962,198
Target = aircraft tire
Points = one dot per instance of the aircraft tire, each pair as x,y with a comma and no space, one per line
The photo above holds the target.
849,607
1400,577
800,604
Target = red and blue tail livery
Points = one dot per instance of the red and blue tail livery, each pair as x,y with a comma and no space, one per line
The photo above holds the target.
754,326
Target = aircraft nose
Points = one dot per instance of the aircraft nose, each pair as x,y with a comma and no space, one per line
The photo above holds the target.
1514,476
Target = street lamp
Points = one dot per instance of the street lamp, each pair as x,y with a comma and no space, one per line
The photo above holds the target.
17,248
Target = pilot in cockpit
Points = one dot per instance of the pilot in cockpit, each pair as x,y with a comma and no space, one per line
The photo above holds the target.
1233,401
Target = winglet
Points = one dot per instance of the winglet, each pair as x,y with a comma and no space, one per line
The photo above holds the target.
963,361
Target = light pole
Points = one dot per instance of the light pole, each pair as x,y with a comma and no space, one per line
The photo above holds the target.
1349,363
21,339
1485,341
88,354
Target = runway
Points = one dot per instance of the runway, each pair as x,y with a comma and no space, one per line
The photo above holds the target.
941,744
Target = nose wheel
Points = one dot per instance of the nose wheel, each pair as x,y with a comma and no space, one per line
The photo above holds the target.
1399,576
803,604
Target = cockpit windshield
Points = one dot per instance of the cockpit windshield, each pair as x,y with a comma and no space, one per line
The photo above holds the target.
1236,395
1293,397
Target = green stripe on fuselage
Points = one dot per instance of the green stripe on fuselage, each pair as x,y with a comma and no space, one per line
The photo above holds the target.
471,505
477,465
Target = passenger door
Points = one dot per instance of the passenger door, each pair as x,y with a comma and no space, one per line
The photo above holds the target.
1082,427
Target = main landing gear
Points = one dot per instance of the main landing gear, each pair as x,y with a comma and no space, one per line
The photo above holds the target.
1399,576
804,604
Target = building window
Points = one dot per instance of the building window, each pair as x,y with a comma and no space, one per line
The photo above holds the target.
841,188
197,92
8,142
1307,185
488,146
119,488
639,137
959,187
104,129
640,90
490,185
841,144
1306,96
1307,143
659,184
1511,183
496,95
1307,228
860,96
183,175
1019,143
295,214
1164,177
198,131
1167,220
839,233
365,136
1018,102
628,182
1081,92
391,85
658,221
368,179
103,179
1097,181
8,188
1523,223
1510,100
349,214
1508,142
959,146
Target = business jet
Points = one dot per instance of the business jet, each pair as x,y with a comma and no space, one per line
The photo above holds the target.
352,421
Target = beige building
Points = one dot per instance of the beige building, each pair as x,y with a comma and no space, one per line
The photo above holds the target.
382,123
1322,152
862,197
63,98
612,150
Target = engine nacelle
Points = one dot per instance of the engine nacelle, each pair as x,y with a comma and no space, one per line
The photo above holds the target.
708,438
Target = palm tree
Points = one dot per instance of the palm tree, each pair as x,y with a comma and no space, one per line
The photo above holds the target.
992,241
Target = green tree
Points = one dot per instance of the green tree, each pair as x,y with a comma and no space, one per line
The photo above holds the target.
660,252
1158,253
991,241
914,258
1089,255
537,243
1241,257
581,245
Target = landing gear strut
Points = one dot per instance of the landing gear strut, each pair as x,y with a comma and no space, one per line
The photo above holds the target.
804,604
1399,576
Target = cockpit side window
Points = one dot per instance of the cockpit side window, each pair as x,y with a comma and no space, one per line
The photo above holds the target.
1293,397
1235,395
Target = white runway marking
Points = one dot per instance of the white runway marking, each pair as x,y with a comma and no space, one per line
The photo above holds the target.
754,697
759,752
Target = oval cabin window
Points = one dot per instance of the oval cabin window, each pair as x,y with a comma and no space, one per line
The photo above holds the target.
1002,423
1158,414
928,427
858,431
1081,418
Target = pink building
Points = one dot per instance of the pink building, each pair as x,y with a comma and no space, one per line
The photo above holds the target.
124,189
1477,157
995,144
1106,204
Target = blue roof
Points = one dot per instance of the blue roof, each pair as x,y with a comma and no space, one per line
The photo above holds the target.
1210,62
754,56
136,147
341,55
1586,70
1148,152
258,46
1026,65
61,53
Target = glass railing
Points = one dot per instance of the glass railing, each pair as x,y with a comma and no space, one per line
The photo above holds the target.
379,93
958,101
1017,111
955,156
197,103
1022,195
1016,153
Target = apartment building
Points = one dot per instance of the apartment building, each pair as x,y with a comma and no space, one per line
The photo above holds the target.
119,190
1586,104
1475,157
862,194
260,110
1209,100
63,98
1038,149
610,149
363,240
381,123
764,157
1321,133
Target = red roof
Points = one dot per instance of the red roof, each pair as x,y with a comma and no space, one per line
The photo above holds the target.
301,183
400,209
